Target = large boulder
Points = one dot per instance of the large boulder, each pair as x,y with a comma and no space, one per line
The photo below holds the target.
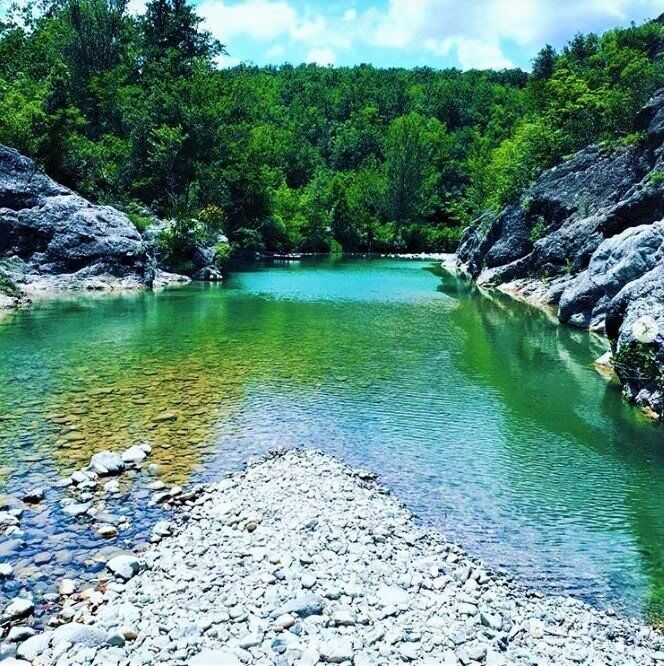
616,262
52,238
588,239
639,360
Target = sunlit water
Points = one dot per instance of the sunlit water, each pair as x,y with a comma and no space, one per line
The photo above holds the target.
485,417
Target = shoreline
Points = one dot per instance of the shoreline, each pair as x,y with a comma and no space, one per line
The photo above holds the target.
301,559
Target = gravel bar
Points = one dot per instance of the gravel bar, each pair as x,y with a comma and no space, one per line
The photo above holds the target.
299,559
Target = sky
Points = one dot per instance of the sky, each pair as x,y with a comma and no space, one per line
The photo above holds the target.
406,33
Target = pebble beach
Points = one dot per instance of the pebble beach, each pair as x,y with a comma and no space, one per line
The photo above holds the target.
300,560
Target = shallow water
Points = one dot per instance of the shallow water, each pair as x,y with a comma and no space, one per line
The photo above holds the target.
484,416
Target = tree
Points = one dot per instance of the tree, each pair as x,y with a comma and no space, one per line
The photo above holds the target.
544,63
171,31
411,175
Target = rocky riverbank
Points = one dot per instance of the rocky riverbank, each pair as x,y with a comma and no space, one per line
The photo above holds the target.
587,239
52,240
301,560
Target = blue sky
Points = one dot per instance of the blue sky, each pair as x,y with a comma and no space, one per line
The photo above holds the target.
437,33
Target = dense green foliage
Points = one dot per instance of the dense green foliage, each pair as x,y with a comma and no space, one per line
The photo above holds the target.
132,110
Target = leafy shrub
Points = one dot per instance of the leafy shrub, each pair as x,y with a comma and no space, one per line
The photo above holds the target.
538,229
222,255
638,363
177,243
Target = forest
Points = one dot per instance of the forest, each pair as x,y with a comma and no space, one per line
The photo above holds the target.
134,111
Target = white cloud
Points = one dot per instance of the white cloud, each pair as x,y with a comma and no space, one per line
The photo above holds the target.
262,20
136,6
321,57
474,54
478,33
276,51
226,61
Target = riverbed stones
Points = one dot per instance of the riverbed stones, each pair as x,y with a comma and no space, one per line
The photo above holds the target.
17,608
107,463
386,591
134,455
67,587
106,530
34,646
34,496
79,634
303,605
124,566
76,508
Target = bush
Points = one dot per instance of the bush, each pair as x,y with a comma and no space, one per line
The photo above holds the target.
177,243
222,255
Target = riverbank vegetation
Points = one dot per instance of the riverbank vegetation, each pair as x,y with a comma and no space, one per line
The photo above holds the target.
133,110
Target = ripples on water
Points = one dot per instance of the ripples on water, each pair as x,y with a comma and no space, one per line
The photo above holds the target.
484,416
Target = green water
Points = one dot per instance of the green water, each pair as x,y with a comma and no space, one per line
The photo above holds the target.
484,416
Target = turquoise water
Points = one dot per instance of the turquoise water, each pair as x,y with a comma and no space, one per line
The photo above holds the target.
484,416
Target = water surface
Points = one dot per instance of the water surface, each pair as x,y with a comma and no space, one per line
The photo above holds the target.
485,417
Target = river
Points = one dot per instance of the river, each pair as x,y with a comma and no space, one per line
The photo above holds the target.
482,415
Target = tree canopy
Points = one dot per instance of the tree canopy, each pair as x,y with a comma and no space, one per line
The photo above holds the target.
134,111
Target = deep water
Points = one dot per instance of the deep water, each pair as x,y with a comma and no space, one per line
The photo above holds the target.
482,414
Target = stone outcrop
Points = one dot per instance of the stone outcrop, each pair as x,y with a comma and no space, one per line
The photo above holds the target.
53,239
588,239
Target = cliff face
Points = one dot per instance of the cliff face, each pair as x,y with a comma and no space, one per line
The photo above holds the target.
52,239
588,239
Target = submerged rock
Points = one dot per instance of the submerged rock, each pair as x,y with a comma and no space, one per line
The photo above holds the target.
34,496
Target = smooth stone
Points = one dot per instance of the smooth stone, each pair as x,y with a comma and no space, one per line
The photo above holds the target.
34,646
34,496
112,486
285,621
165,416
18,634
134,454
214,658
124,566
107,531
77,508
79,634
107,463
67,587
308,581
162,528
391,595
304,606
17,608
336,651
6,570
491,620
249,641
344,618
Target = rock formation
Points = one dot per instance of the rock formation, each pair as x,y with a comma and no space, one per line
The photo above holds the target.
588,239
52,238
